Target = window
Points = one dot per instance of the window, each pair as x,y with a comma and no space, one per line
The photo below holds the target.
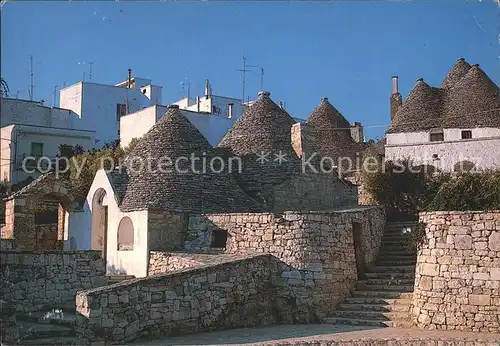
125,241
467,134
219,238
121,110
46,217
230,110
36,149
437,137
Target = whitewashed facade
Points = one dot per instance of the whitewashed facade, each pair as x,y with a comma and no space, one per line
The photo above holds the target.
20,142
100,106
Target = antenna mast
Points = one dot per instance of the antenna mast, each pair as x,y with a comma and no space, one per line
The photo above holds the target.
55,95
90,70
261,79
244,71
31,78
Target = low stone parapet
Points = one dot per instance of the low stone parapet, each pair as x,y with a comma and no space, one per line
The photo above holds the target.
230,294
457,281
35,280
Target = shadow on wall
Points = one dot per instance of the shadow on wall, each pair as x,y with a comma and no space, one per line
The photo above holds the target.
112,270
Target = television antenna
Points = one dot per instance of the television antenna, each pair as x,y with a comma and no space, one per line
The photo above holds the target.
244,71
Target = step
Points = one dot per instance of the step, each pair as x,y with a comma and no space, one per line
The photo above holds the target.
376,307
66,319
68,340
398,269
390,275
382,294
33,331
377,301
372,315
371,323
388,262
383,288
388,281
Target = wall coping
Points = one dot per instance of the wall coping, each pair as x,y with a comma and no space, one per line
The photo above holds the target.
457,212
317,212
193,270
57,252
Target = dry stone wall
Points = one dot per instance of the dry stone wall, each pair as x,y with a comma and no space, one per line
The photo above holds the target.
34,280
235,293
317,264
457,281
164,262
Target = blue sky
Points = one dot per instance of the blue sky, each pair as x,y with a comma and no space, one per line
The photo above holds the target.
346,51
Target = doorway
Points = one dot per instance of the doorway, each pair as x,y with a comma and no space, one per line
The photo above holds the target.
357,229
99,232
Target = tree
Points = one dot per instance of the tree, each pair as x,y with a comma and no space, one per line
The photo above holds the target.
4,88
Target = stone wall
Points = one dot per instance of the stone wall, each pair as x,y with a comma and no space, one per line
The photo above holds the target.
33,280
231,294
457,281
166,230
164,262
318,266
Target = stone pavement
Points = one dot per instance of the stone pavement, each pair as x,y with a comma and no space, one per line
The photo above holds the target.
327,334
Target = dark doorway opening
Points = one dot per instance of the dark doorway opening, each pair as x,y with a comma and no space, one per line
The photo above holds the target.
357,229
219,239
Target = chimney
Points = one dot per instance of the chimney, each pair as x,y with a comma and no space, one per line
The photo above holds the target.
129,78
357,132
396,100
395,86
302,137
208,89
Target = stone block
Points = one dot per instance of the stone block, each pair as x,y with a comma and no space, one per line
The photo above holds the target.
479,299
463,242
429,269
495,274
494,241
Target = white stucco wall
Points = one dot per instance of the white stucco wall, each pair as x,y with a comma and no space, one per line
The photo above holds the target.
449,135
6,154
135,125
20,138
134,262
15,111
96,105
483,152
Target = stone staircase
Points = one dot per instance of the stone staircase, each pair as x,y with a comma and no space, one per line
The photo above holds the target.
55,325
383,297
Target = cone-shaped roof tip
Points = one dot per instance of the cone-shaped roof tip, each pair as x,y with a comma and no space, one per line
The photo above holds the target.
461,59
420,80
264,94
173,107
324,99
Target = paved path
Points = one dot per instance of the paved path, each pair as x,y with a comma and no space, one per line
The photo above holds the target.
295,333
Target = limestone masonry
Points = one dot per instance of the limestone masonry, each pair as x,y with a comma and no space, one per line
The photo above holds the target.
36,280
457,282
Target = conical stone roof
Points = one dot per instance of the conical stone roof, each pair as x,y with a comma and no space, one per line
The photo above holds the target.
169,169
332,134
264,126
456,73
467,98
421,110
474,101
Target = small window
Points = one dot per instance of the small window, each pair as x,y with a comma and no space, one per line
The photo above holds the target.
467,134
125,236
46,217
435,156
230,110
36,149
214,109
219,239
437,137
121,110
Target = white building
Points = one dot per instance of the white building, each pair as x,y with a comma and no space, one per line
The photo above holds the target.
30,129
30,150
453,127
100,106
212,115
